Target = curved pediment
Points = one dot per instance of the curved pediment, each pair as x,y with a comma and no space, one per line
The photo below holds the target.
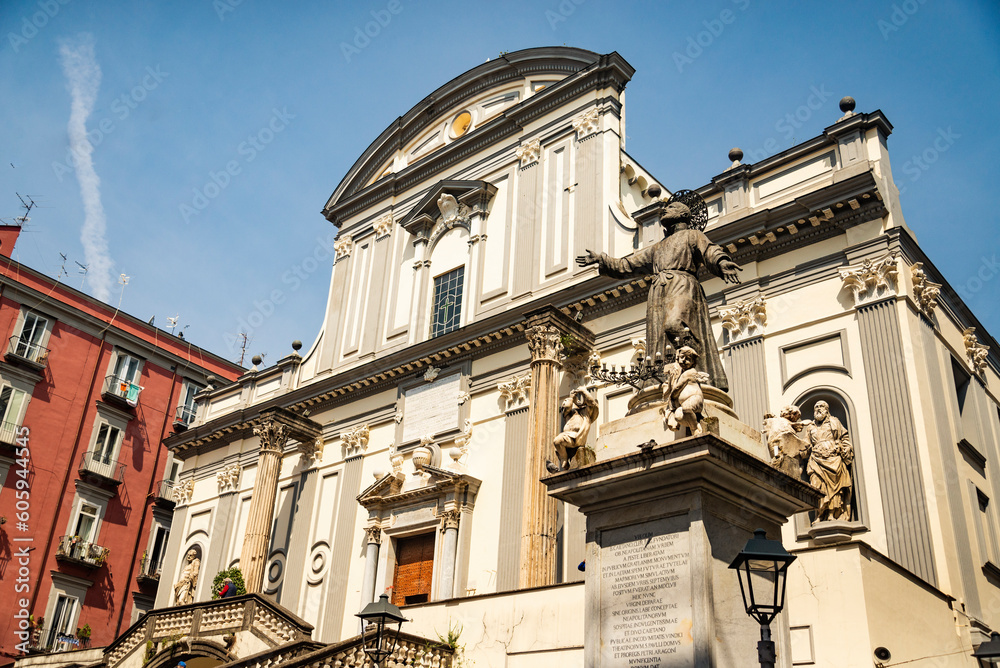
468,107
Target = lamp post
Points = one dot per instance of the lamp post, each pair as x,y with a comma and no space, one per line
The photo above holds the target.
989,650
378,636
762,566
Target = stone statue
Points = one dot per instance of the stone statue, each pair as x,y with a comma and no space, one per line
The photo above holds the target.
579,409
184,588
830,456
676,299
682,393
787,448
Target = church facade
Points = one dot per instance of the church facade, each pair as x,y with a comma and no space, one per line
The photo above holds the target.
399,453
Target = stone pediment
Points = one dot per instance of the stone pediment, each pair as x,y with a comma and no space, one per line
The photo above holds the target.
389,492
446,205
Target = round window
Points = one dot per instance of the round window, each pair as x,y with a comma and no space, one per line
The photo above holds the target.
461,124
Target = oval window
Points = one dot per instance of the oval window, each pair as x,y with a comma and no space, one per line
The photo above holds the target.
461,124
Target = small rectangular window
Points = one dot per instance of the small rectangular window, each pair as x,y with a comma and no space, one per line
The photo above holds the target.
447,302
127,368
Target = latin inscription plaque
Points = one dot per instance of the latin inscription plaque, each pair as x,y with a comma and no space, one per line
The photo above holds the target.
646,612
431,408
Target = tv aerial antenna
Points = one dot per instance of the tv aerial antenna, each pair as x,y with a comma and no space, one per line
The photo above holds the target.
83,271
62,267
172,322
28,206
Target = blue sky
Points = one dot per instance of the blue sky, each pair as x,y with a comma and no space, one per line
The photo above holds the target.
220,128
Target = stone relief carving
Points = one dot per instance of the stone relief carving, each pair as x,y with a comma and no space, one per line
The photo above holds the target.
183,491
872,279
383,226
830,457
355,441
229,478
343,246
788,449
184,587
453,214
515,391
682,393
431,374
925,292
545,343
529,152
312,451
587,124
463,396
396,460
975,351
744,319
273,435
580,410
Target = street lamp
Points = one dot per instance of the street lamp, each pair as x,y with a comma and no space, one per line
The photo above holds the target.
762,566
989,650
377,635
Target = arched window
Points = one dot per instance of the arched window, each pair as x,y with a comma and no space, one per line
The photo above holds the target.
448,294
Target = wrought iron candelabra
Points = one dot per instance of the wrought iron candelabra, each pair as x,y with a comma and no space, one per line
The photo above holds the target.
637,374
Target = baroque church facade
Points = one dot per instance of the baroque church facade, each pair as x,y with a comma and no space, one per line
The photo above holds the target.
399,452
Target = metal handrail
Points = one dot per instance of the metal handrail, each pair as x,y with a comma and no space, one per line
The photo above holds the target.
122,388
77,549
26,350
8,432
92,462
184,415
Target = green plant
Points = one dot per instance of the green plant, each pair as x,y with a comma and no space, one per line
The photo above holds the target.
150,652
450,640
234,574
83,632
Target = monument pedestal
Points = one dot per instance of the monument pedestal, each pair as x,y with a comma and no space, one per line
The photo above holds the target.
663,524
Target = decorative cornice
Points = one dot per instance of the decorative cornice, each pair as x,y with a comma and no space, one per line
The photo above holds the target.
183,491
355,441
744,319
925,293
587,124
872,280
229,478
529,152
515,391
975,351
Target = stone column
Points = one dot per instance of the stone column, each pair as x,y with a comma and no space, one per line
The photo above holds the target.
550,335
257,540
373,537
449,550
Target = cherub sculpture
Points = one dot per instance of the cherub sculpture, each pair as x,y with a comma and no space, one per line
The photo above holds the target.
579,409
682,393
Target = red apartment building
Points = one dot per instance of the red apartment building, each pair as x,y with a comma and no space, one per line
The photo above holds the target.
87,394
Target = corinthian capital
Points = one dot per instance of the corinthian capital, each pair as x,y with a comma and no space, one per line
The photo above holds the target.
373,534
273,435
545,343
871,280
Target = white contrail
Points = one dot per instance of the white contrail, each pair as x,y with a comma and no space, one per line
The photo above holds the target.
83,78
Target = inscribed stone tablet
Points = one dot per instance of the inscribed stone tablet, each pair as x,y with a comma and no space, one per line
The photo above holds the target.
646,617
431,408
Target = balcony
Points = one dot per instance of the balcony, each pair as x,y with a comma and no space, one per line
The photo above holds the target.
79,552
44,640
149,571
101,469
27,354
184,417
163,495
8,435
121,391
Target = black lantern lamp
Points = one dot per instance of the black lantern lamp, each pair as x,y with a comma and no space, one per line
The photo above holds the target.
762,567
378,636
989,651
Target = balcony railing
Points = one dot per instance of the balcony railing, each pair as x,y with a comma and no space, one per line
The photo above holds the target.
8,432
149,571
25,351
81,552
163,495
122,390
184,416
46,639
94,464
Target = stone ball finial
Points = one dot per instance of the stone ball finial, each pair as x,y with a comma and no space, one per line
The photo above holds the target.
654,191
735,154
847,104
296,345
256,359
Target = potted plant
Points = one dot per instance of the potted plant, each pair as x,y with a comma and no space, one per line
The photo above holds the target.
83,635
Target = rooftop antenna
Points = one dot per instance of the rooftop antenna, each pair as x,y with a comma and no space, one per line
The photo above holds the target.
83,270
172,322
123,280
244,340
62,269
28,206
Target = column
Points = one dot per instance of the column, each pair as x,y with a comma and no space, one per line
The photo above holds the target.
373,536
449,550
257,540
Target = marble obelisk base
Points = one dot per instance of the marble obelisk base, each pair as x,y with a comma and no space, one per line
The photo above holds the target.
663,524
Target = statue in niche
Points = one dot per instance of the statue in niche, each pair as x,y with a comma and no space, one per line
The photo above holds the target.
830,457
184,588
786,442
676,299
580,410
682,393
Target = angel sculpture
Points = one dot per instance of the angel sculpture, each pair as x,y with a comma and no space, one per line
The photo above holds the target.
682,393
580,410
